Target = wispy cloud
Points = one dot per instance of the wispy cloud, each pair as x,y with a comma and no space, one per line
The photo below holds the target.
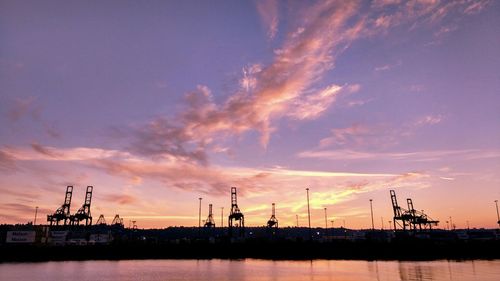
384,3
184,175
268,11
435,155
428,120
30,108
354,103
475,7
363,136
47,153
121,199
24,107
350,189
386,67
6,161
353,134
314,105
22,209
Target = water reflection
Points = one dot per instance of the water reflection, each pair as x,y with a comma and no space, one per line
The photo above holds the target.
415,272
242,270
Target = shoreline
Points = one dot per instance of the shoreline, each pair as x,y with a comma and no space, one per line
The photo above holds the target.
265,250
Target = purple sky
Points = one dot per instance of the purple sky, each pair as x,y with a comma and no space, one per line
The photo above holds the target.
158,103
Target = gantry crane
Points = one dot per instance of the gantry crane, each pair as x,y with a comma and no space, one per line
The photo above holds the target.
410,219
273,221
84,212
62,213
236,218
101,220
117,221
210,222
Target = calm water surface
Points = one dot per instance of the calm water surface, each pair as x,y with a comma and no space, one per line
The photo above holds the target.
239,270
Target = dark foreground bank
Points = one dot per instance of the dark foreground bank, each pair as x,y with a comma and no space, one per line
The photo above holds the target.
356,250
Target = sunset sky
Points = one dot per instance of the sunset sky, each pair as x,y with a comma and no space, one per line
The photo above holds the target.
158,103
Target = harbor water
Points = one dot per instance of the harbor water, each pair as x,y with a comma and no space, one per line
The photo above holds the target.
251,269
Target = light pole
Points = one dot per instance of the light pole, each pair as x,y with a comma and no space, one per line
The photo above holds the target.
222,217
332,221
498,216
309,213
297,219
371,209
36,213
199,213
451,224
326,219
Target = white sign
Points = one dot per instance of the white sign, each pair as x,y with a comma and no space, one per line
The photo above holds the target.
20,237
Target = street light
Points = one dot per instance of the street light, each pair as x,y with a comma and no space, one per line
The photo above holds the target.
326,219
222,217
371,209
199,213
309,213
36,213
498,216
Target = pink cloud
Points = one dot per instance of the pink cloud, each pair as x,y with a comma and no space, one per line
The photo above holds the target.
342,136
476,6
428,120
6,161
415,156
388,66
314,105
268,11
283,88
384,3
386,14
121,199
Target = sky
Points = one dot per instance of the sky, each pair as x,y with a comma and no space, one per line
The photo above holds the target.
159,103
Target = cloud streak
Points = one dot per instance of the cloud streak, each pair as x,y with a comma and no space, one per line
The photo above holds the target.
185,175
268,11
418,156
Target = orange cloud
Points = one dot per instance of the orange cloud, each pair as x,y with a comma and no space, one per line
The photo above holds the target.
122,199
